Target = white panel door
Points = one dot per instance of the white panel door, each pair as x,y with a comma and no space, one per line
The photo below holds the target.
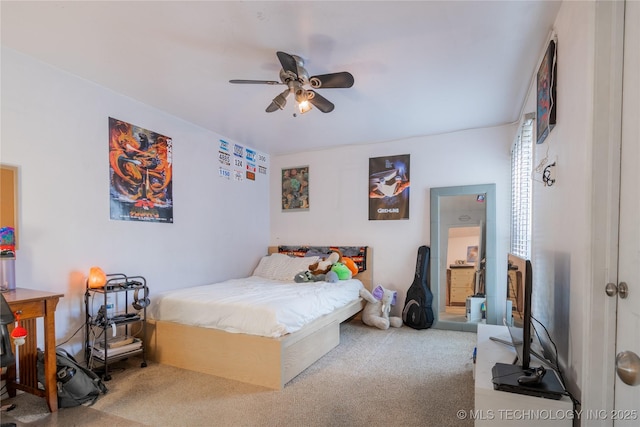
627,397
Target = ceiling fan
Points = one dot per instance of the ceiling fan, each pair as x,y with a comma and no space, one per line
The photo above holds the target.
295,76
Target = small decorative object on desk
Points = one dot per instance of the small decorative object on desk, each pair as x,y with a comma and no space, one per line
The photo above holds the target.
7,259
7,242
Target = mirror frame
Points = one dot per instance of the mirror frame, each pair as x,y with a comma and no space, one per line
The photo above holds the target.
491,253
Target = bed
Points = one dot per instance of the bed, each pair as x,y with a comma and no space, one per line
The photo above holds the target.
268,361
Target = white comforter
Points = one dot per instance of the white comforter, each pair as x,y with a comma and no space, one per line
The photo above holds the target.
253,305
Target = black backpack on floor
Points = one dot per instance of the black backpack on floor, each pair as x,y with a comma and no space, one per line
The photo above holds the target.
77,385
417,312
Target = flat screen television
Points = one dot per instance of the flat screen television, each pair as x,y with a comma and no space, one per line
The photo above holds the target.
519,376
520,279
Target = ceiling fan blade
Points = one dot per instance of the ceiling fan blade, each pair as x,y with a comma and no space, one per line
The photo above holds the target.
320,102
288,62
256,82
333,80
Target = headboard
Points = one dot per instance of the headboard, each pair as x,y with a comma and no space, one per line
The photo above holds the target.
365,276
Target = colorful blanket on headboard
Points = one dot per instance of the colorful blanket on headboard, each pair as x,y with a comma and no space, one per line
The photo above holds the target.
357,253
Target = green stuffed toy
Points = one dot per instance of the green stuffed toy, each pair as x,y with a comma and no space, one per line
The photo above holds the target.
324,265
343,272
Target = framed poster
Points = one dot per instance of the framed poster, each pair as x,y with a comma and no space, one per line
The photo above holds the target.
295,189
140,168
472,254
546,94
389,187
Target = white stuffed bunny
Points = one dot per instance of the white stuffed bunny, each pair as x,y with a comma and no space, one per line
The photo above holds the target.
376,310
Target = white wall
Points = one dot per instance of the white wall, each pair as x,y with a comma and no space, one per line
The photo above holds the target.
563,214
55,129
338,187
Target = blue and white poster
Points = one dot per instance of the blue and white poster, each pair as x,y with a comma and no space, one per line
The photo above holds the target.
389,187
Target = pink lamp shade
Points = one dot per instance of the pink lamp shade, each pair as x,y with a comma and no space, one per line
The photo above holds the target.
97,278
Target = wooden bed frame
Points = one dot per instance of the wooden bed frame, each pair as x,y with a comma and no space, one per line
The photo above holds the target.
264,361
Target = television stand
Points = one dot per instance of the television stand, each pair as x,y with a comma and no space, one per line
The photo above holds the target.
495,407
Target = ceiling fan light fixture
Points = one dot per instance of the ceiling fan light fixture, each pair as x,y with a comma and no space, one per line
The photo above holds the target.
295,76
281,99
304,106
302,98
301,95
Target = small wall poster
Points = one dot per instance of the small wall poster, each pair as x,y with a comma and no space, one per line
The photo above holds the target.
546,94
389,187
244,164
140,167
472,254
295,189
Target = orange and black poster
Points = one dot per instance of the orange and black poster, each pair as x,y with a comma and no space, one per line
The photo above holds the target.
140,165
389,187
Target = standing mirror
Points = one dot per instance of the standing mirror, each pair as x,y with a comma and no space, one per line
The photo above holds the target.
463,256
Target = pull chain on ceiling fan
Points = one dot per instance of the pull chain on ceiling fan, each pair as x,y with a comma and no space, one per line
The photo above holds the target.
295,76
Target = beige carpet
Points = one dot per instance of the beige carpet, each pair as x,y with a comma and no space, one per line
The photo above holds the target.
397,377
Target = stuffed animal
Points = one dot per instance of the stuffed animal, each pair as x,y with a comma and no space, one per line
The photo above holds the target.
377,308
307,276
342,271
331,277
324,265
351,264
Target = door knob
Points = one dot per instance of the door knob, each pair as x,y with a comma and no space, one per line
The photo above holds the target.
628,367
623,290
611,289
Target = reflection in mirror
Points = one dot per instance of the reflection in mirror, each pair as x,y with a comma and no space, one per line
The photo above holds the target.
463,255
462,220
514,310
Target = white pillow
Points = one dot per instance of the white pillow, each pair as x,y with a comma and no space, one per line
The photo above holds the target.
282,267
269,265
295,265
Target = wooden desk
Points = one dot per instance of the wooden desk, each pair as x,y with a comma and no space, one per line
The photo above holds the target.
34,304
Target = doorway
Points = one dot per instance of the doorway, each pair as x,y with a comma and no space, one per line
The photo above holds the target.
616,231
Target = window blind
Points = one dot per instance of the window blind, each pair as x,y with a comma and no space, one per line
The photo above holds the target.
521,190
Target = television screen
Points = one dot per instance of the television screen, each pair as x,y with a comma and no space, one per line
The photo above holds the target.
519,377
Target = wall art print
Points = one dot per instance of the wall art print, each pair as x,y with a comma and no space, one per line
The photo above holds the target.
472,254
248,164
546,94
295,189
140,168
389,187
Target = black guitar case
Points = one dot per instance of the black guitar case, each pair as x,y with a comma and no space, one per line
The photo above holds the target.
417,312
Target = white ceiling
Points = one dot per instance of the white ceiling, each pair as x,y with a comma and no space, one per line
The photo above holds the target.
420,67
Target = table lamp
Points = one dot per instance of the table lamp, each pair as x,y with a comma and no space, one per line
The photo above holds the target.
97,278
